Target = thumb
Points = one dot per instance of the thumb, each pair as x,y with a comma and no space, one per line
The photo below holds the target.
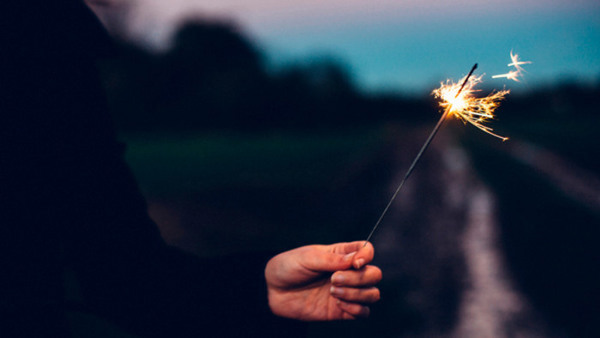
363,256
360,252
331,261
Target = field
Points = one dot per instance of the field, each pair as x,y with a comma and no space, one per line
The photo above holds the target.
224,192
215,193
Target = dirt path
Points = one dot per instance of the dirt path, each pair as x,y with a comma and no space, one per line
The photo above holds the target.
442,236
491,306
579,184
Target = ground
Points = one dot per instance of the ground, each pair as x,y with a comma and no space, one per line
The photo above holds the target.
447,246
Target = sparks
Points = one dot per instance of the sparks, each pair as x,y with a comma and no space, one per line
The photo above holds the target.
516,63
514,74
457,99
466,106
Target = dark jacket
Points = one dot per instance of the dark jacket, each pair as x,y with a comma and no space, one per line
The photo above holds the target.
75,236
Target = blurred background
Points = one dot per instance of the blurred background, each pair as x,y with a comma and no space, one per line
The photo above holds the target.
266,125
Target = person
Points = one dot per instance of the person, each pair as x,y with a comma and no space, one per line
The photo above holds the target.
75,237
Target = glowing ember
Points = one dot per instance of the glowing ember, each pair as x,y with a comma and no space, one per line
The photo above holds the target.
514,74
466,106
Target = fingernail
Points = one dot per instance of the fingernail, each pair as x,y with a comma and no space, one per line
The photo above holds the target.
338,278
349,256
359,263
336,291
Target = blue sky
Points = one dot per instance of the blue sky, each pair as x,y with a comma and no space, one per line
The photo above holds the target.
410,45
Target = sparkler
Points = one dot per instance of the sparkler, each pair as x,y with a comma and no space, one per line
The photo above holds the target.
458,100
468,108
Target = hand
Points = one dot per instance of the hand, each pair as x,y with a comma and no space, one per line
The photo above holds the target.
323,282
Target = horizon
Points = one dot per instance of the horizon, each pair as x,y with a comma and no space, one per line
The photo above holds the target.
408,48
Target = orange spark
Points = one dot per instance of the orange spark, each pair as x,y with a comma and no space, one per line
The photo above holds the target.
466,106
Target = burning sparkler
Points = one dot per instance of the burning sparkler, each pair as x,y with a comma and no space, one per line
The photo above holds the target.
459,100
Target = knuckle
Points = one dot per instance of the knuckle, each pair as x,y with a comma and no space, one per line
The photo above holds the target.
354,295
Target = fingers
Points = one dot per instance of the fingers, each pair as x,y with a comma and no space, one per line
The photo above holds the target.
364,255
363,252
356,295
367,276
330,258
352,310
354,289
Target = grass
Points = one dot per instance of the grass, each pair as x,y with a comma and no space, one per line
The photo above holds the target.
232,192
549,240
179,164
575,139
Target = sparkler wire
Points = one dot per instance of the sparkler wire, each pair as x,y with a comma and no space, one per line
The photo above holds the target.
418,157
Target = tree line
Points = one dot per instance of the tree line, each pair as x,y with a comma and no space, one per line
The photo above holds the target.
214,77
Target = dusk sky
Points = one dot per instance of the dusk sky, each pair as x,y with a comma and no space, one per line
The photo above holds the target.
405,46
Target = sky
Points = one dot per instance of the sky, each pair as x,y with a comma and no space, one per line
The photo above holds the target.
408,46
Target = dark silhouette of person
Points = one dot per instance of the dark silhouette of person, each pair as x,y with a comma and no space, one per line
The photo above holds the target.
74,232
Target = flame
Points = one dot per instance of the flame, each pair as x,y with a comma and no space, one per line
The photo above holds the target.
466,106
514,74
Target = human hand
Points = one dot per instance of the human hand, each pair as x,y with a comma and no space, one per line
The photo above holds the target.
323,282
